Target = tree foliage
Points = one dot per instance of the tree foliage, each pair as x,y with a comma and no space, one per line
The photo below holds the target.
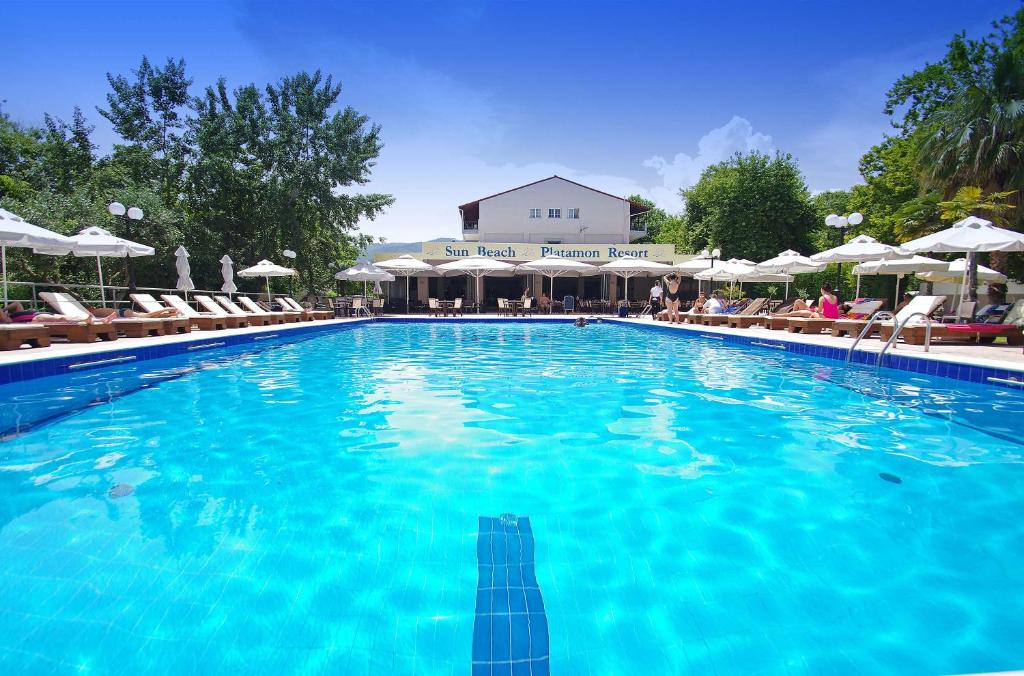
247,172
751,206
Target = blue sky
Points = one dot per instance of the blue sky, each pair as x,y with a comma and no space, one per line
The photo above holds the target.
475,98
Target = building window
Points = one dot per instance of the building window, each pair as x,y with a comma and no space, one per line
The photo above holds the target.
554,213
534,213
572,213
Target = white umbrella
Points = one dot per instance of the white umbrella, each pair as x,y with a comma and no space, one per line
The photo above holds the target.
95,241
969,235
954,272
858,250
693,266
266,269
227,273
477,266
184,271
790,262
898,267
628,266
365,272
555,266
16,231
406,266
732,271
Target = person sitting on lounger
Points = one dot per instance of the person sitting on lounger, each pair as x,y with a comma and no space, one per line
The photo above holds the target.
698,305
827,306
713,305
15,313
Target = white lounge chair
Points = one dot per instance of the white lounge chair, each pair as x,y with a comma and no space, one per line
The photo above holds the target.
250,306
204,321
235,311
66,305
234,321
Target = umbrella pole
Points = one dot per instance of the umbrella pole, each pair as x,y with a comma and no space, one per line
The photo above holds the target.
785,294
857,294
896,296
3,257
268,290
478,303
99,267
407,294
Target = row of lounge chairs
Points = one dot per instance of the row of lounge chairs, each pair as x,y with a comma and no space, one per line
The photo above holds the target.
994,321
218,313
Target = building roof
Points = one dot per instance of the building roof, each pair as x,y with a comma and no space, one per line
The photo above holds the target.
471,210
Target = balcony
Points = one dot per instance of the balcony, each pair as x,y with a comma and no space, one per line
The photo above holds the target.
471,230
637,230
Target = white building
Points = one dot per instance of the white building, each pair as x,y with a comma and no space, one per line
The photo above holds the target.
552,211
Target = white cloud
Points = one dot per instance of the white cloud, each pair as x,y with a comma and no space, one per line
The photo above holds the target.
737,135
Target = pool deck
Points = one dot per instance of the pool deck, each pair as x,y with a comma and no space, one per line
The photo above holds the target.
991,356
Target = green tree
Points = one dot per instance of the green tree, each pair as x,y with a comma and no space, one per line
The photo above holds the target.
966,114
68,152
751,206
148,110
276,169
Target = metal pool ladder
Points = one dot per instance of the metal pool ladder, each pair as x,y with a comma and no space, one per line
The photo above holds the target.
883,316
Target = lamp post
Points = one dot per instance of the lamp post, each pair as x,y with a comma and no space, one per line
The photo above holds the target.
840,223
116,210
713,255
288,253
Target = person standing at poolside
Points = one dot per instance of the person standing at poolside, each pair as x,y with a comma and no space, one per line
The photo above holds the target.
672,299
655,297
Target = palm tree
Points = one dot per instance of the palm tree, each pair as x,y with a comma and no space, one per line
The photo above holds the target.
975,137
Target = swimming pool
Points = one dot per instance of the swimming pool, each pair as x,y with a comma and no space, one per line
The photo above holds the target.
511,498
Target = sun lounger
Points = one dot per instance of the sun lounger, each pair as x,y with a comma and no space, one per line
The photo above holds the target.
203,321
250,306
254,319
750,309
914,332
12,337
66,305
865,308
172,325
209,305
746,321
777,323
994,321
307,314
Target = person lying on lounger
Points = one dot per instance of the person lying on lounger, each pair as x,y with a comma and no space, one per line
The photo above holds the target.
128,313
800,308
15,313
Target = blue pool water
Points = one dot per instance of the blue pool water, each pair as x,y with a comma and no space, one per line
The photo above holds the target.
412,498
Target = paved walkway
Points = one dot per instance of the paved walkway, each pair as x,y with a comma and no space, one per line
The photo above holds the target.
995,356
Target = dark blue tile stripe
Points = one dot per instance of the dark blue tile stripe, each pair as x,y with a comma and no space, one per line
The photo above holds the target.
943,369
217,340
510,630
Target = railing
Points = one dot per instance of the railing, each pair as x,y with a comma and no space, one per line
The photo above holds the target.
875,318
635,227
897,329
471,225
110,292
900,327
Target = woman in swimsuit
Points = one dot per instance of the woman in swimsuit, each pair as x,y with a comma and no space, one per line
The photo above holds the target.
672,283
15,313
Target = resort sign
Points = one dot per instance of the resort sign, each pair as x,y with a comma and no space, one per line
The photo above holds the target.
601,253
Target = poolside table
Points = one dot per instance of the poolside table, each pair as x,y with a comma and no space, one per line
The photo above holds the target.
515,307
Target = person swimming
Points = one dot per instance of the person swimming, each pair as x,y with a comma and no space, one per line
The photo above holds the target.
580,322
